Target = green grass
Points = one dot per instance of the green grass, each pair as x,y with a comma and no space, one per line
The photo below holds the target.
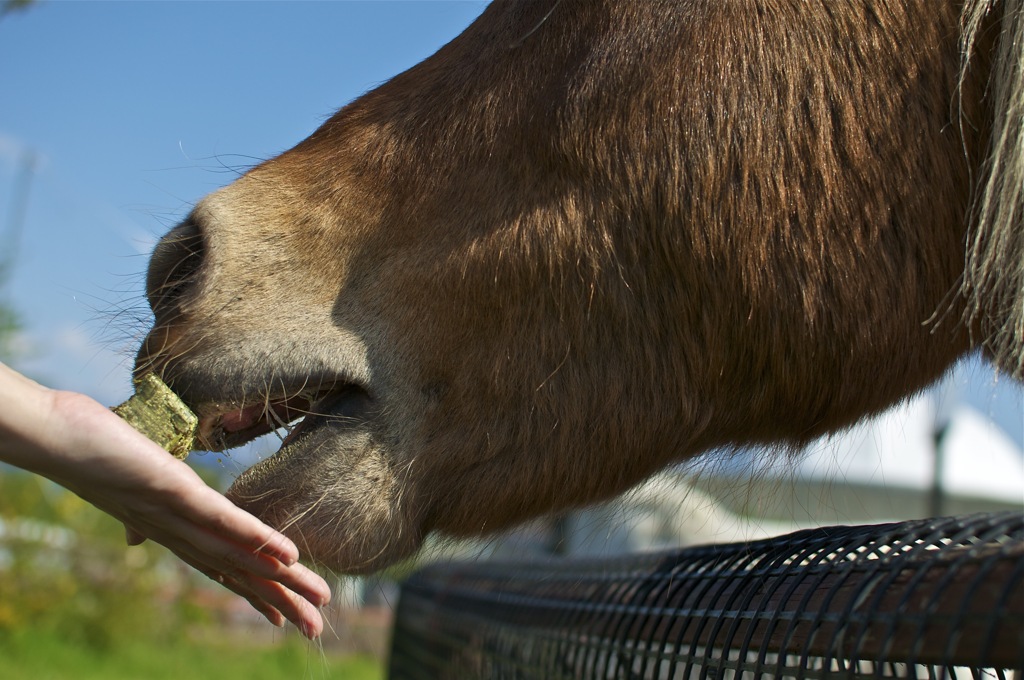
42,656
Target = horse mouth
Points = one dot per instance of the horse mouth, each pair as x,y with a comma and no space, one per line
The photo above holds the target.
228,425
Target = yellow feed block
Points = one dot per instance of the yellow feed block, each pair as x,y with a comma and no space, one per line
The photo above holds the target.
157,412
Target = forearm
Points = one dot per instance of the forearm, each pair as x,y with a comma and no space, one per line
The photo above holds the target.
26,412
65,436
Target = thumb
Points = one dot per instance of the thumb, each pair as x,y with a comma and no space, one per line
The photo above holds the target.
133,537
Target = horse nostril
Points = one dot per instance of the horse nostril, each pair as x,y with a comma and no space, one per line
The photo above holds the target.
174,266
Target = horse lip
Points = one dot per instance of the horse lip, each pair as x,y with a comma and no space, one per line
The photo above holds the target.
225,425
345,408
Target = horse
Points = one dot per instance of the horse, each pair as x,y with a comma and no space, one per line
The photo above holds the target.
589,239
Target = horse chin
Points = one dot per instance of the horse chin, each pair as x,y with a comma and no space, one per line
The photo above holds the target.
333,490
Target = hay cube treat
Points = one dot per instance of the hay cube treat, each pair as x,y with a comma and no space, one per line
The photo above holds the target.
157,412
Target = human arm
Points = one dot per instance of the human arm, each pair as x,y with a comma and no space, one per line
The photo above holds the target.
80,444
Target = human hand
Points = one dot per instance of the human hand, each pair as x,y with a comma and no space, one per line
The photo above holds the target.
81,445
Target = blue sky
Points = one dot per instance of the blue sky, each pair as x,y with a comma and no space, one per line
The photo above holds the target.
136,110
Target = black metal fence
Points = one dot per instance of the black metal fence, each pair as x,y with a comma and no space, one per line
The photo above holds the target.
940,598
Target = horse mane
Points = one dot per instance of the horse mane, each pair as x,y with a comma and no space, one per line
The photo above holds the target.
993,281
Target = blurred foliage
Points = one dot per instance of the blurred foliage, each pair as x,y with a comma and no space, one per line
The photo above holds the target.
65,570
76,603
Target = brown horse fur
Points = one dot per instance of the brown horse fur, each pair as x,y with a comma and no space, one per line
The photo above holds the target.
585,240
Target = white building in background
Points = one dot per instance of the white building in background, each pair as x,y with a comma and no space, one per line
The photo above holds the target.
882,469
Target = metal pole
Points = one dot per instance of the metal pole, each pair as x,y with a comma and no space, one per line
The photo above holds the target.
945,397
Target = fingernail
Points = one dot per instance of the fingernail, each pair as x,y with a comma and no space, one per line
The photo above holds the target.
319,598
286,551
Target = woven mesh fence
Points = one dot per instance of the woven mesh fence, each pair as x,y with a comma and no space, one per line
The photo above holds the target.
940,598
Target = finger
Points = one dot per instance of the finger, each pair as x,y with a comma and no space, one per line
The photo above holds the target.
233,559
272,615
223,518
298,610
186,495
276,603
213,554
